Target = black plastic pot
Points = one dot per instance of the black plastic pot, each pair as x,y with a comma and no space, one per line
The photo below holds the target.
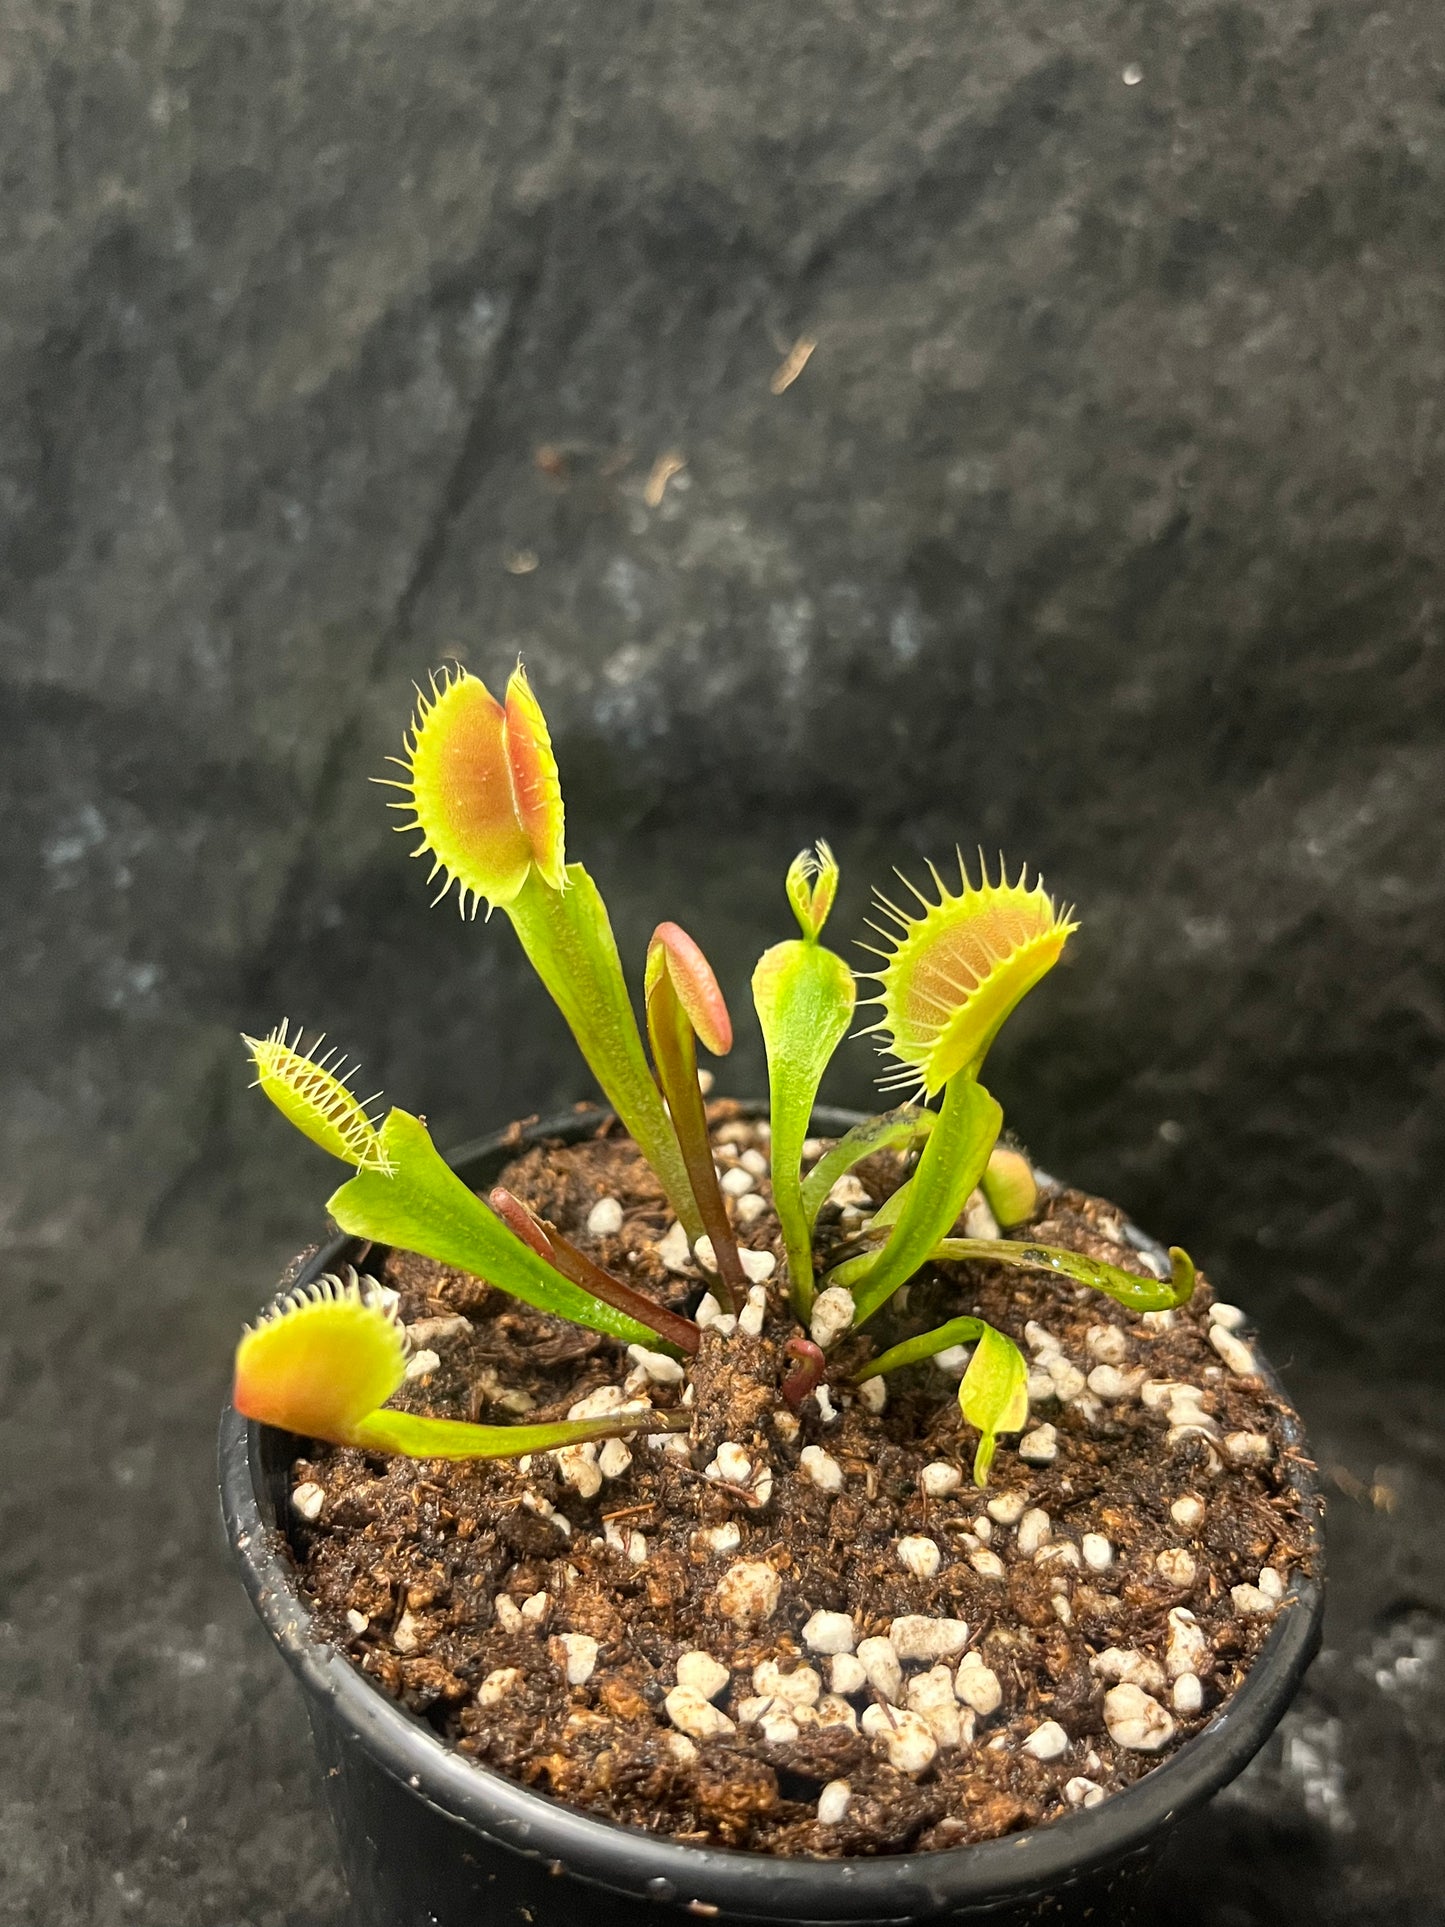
430,1840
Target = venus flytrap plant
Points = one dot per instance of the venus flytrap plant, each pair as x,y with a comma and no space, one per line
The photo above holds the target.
482,788
804,996
684,1004
739,1444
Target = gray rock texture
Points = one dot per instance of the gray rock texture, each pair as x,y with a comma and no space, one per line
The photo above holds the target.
1102,526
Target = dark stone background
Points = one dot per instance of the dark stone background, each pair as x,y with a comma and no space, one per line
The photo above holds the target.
1103,525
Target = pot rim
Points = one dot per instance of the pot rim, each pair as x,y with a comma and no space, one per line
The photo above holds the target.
644,1866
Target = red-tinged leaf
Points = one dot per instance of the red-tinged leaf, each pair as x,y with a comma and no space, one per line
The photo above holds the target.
806,1375
697,988
519,1220
536,787
459,790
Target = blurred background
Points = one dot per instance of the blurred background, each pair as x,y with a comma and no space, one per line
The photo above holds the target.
924,422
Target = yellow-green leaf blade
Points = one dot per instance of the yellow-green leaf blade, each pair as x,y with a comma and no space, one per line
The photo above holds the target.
1139,1294
568,938
952,1162
913,1351
896,1130
415,1436
804,996
424,1206
993,1395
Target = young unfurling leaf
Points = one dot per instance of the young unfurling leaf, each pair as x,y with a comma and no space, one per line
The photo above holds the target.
481,787
1139,1294
324,1360
804,996
994,1392
812,884
683,1004
993,1395
1010,1186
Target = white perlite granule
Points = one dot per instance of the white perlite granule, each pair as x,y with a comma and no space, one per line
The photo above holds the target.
1176,1567
1047,1742
579,1657
904,1736
801,1687
846,1674
496,1686
917,1637
1080,1792
1136,1720
1129,1668
1235,1353
1097,1551
931,1696
938,1480
819,1466
1188,1649
661,1369
750,1318
879,1661
604,1220
748,1592
1188,1694
1008,1508
829,1633
873,1395
700,1673
832,1315
673,1250
978,1686
307,1500
919,1556
690,1713
833,1802
716,1539
1034,1528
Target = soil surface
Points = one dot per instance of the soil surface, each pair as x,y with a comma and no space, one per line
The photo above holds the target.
1034,1646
